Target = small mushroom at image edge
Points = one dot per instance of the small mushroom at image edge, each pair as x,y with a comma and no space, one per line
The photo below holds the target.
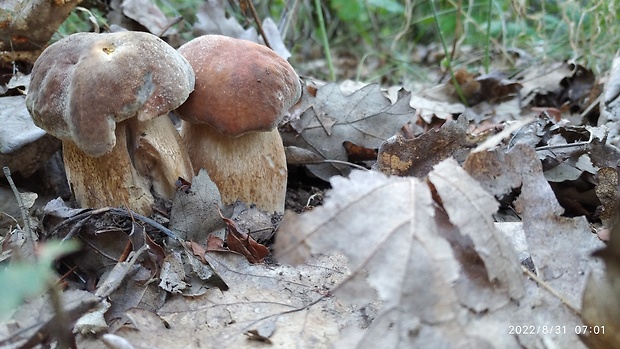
106,97
230,121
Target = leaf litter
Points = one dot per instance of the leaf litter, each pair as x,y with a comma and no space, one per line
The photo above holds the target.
485,225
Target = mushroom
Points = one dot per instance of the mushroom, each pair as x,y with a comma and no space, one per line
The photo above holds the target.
106,97
229,126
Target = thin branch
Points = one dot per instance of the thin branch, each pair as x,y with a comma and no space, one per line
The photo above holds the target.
22,209
258,22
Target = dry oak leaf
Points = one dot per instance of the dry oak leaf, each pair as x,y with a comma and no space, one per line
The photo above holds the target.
560,246
366,118
241,242
415,157
289,299
388,227
470,208
211,18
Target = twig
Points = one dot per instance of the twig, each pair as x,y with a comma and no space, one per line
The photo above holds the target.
118,273
258,22
22,209
82,217
174,22
60,327
550,289
324,161
487,54
457,85
148,221
569,145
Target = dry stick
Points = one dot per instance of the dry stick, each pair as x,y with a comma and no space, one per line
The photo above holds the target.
568,145
22,208
174,22
258,24
551,290
328,161
120,212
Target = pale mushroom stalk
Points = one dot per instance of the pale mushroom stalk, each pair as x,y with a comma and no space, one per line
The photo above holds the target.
230,120
145,163
106,96
261,178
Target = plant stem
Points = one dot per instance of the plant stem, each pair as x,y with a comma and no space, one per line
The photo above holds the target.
24,212
457,86
323,32
487,57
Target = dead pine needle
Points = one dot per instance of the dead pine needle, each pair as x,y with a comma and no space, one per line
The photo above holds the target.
550,289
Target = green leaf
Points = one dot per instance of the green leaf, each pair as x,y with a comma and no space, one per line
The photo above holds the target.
391,6
21,279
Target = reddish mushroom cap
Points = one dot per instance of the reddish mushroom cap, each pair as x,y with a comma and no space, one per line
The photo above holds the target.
241,86
84,84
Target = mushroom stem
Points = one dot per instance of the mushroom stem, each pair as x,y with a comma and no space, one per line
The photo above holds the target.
145,162
250,168
160,155
108,179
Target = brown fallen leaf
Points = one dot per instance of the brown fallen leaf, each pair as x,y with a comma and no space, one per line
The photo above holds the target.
284,303
198,250
394,240
560,246
366,118
607,193
359,153
241,242
415,157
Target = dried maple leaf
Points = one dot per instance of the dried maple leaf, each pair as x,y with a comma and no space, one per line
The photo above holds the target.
215,243
149,15
194,209
471,210
366,118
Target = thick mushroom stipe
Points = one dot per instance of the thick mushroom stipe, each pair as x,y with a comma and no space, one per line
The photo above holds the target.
252,168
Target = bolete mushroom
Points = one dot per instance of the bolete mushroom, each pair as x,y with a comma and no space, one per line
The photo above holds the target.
106,97
229,126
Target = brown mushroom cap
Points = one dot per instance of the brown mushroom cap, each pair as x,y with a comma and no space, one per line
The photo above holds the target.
241,86
84,84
